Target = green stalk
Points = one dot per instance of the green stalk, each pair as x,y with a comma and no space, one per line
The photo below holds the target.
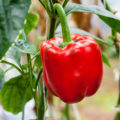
13,65
65,3
41,105
51,5
30,69
47,7
65,28
117,116
23,112
23,107
66,112
41,1
30,72
52,28
67,38
38,78
107,6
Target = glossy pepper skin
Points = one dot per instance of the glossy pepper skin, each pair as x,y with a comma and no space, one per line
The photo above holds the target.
73,72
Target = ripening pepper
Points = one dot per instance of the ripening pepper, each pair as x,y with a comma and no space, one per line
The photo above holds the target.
74,71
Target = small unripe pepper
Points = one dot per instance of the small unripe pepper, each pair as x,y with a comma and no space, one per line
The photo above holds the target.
74,71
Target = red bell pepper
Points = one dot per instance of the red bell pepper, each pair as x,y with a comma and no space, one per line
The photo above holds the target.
74,71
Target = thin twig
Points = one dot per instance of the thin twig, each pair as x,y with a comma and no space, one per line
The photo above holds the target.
13,65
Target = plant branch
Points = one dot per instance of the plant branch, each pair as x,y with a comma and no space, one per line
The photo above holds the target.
30,69
41,1
107,6
41,105
52,28
47,7
65,3
66,112
23,112
38,78
30,72
41,109
13,65
51,5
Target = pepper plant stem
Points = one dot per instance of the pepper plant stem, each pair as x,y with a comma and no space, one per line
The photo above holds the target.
41,1
66,112
51,28
31,77
65,28
23,111
41,105
38,79
107,6
30,69
51,5
65,3
47,7
41,109
13,65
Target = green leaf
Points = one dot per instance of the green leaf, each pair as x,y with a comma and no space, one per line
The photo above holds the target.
38,62
15,93
105,15
1,78
25,46
105,60
12,16
14,54
79,31
31,22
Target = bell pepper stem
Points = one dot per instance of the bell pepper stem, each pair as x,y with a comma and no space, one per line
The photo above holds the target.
65,28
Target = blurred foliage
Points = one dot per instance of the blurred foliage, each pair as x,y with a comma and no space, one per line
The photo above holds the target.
12,16
15,93
110,50
105,60
1,78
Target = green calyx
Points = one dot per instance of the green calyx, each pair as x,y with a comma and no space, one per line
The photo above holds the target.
62,45
65,28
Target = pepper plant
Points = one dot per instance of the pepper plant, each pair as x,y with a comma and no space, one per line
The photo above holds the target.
74,45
